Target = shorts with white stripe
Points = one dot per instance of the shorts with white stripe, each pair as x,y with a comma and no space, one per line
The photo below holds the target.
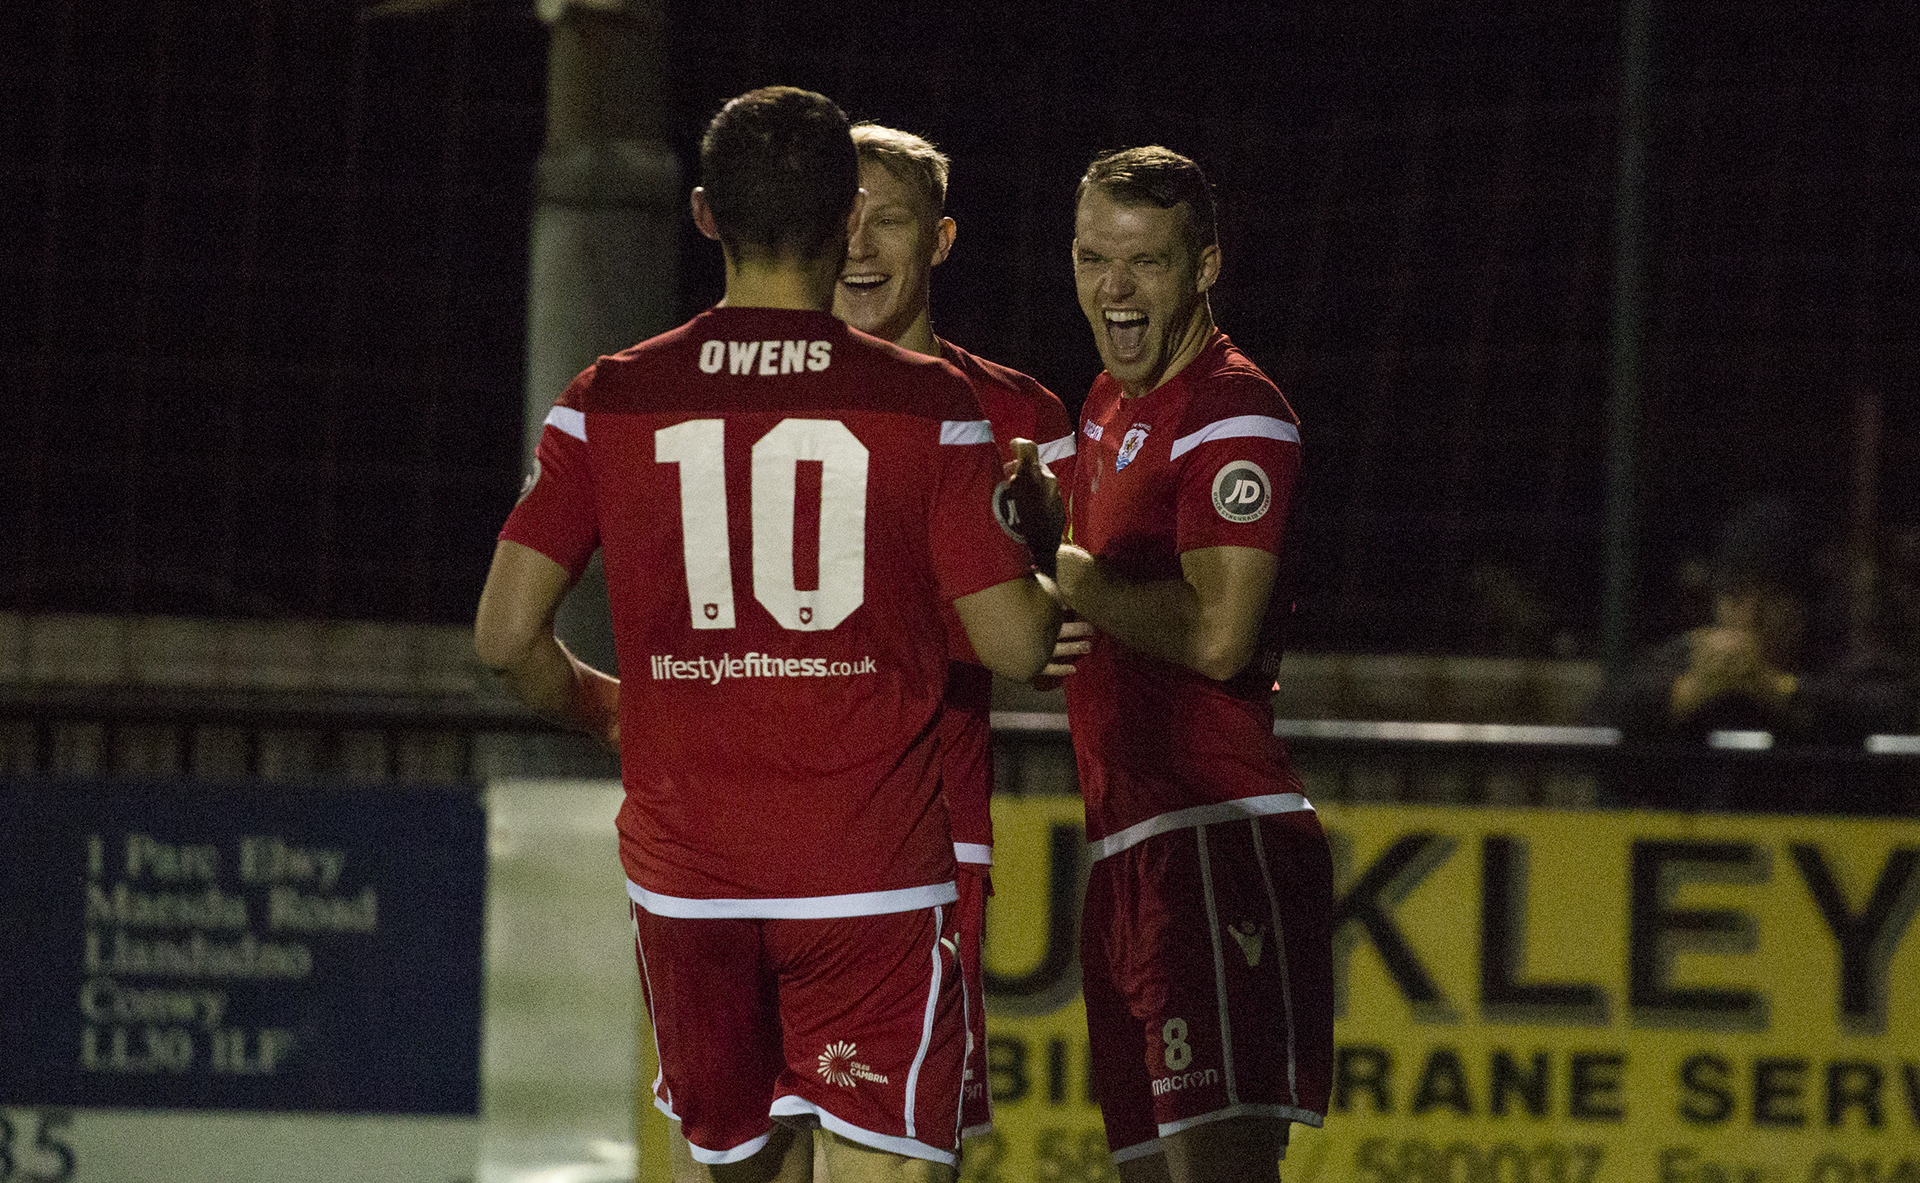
1207,968
855,1023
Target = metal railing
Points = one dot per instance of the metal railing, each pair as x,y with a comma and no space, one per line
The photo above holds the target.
1546,765
465,740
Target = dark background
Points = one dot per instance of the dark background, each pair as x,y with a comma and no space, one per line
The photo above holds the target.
263,278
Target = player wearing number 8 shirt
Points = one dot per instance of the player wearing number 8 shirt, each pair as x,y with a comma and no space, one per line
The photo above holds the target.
885,290
1205,948
784,507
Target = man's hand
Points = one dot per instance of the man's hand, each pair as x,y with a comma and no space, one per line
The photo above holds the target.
1028,504
1074,642
1725,660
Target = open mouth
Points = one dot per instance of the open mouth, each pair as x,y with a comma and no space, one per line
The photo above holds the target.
1126,332
864,281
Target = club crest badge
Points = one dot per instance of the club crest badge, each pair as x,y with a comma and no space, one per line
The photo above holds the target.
1241,491
1130,445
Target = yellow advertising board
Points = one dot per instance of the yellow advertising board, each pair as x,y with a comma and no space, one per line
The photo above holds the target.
1536,996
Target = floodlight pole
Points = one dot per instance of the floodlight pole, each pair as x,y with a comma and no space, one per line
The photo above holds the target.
1627,368
603,265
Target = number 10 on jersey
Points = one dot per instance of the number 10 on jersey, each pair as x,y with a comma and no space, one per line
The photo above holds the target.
698,446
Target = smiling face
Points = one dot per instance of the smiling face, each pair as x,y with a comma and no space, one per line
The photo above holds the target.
1143,290
883,286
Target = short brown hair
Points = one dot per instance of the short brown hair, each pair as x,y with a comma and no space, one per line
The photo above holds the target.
909,157
780,173
1160,177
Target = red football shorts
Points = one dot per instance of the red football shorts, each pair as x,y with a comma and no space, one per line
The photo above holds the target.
1207,966
976,1105
854,1022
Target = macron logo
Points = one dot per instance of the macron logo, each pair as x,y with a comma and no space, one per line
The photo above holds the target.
768,359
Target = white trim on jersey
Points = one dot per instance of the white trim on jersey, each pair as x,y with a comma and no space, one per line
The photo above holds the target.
1199,815
1235,427
966,1059
1280,952
966,431
792,1105
1219,966
573,422
975,853
926,1019
660,1071
745,1150
806,907
1138,1150
1283,1112
1058,449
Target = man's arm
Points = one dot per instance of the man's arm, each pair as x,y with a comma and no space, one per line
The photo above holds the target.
1208,620
513,634
1012,625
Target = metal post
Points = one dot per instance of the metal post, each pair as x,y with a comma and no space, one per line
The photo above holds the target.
603,276
1627,376
605,231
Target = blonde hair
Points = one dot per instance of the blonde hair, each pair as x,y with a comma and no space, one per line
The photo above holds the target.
911,158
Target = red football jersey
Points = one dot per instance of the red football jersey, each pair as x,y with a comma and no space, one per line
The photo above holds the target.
784,507
1208,458
1018,407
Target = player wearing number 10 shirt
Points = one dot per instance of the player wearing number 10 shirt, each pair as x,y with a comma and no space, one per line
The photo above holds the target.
785,509
824,490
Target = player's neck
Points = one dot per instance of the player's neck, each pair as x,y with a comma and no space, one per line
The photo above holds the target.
919,335
803,284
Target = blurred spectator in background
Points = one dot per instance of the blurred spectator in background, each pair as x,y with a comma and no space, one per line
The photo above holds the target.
1512,617
1774,658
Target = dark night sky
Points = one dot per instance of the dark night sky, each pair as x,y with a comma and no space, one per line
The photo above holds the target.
262,302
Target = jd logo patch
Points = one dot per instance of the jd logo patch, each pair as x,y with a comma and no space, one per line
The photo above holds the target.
1241,491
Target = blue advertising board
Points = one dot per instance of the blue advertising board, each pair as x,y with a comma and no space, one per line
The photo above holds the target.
297,967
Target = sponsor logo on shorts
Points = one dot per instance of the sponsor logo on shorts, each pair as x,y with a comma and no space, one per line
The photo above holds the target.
1198,1078
1248,936
1241,491
838,1066
1130,445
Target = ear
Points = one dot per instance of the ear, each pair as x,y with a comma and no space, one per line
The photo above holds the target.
944,232
1209,268
703,214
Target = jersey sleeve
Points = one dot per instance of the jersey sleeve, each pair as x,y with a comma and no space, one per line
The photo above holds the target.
1237,465
556,514
1055,432
970,551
